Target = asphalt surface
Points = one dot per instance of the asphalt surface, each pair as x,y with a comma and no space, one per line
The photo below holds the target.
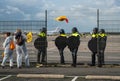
68,71
80,70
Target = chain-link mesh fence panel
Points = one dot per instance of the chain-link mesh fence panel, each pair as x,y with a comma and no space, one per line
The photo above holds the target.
33,26
83,20
110,21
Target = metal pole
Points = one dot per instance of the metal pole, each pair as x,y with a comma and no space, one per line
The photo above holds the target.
98,54
46,20
46,32
98,19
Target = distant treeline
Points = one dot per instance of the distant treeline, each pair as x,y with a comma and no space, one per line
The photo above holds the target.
113,33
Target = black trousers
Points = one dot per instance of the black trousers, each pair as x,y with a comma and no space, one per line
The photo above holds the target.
41,52
101,60
74,56
100,57
62,61
93,58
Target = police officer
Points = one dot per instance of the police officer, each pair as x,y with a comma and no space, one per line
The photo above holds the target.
73,44
92,45
61,43
102,44
41,44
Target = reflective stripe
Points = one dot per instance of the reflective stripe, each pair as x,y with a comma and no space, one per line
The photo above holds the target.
75,34
102,35
42,34
95,35
63,35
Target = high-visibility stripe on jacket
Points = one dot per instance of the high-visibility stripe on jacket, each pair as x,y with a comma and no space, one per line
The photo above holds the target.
94,35
102,35
75,34
42,34
63,35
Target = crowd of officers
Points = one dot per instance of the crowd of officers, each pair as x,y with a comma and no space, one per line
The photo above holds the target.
72,42
96,44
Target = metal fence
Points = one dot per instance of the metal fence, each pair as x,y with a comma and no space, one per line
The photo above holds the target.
110,21
25,26
84,20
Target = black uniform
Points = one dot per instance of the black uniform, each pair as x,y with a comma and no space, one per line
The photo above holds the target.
61,43
92,45
102,45
41,44
73,44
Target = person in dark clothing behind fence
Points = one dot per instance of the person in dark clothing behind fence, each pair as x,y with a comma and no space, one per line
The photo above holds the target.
41,44
61,43
92,45
102,45
73,44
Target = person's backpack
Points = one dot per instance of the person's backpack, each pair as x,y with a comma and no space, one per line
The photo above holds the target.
20,40
12,45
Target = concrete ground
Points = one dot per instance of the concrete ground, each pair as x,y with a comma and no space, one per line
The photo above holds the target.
69,72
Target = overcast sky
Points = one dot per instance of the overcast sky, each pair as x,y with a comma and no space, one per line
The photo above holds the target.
81,13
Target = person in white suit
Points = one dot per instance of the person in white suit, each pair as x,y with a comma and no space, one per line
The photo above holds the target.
21,49
8,53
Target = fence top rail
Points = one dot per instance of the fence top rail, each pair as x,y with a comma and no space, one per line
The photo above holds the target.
23,21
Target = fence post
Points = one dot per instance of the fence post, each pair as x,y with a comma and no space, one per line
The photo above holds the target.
98,54
46,33
98,19
98,30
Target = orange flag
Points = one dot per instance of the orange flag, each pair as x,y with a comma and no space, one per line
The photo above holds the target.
62,18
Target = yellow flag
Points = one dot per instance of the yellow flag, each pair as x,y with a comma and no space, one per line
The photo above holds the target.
29,37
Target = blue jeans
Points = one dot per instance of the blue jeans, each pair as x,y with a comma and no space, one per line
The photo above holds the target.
41,52
74,56
62,61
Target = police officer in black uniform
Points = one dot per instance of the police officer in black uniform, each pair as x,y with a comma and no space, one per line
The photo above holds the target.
102,45
41,44
73,44
92,45
61,43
